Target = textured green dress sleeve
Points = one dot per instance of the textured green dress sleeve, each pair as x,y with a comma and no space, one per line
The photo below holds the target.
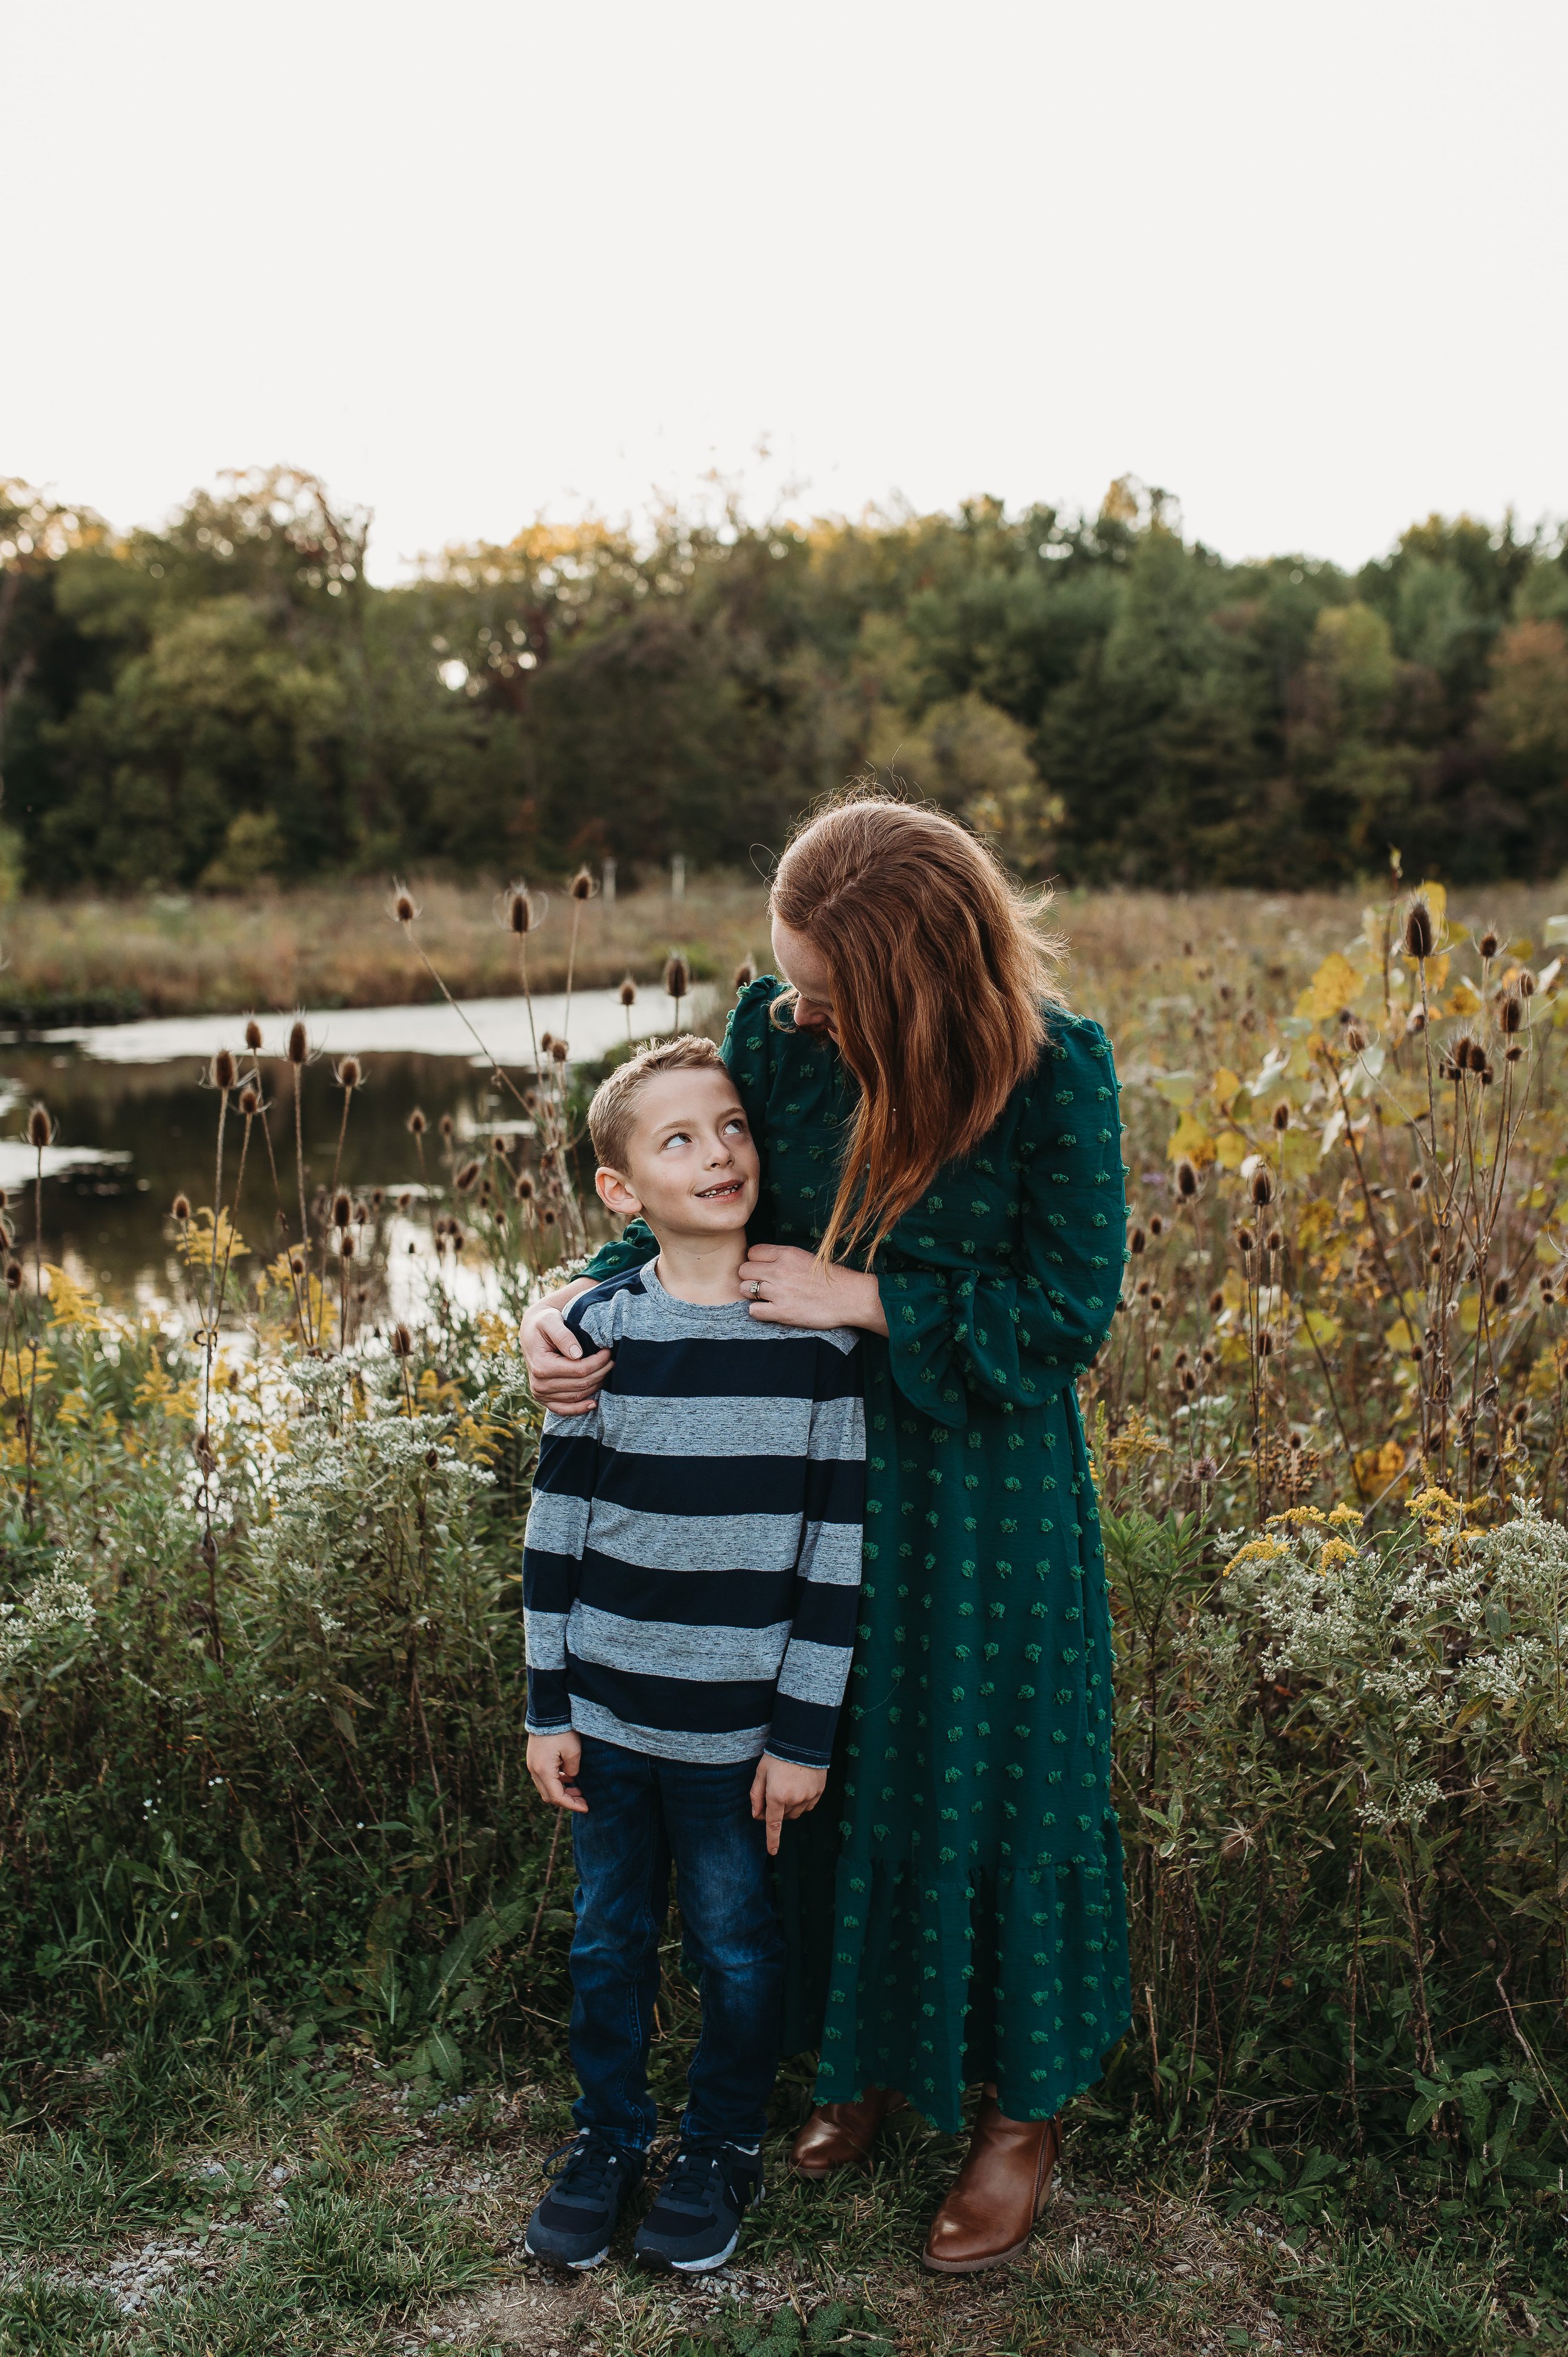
1021,1323
747,1051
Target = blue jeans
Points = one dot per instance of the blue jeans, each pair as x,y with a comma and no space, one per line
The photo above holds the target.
645,1814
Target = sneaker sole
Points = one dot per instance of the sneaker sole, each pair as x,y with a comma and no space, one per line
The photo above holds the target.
659,2262
553,2259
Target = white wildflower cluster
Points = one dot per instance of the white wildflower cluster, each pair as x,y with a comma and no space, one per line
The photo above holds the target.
1406,1651
54,1602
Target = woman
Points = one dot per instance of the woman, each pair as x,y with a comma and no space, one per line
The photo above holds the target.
942,1169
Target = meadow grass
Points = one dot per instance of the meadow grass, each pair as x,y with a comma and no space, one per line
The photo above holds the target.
283,1967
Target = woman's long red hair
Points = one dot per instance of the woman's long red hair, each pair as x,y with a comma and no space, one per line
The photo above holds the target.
940,978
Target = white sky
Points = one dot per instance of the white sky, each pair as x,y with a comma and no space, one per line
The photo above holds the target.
1302,266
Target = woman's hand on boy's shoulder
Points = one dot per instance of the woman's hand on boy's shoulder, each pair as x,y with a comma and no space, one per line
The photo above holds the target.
553,1762
787,1286
782,1788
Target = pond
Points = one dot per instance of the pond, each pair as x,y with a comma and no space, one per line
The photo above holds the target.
136,1121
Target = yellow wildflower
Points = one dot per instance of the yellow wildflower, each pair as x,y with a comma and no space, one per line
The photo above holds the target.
1335,1553
1298,1518
1260,1551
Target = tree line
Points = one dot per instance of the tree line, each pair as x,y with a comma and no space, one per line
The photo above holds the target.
228,699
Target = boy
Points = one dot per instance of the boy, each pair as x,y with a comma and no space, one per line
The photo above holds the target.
691,1584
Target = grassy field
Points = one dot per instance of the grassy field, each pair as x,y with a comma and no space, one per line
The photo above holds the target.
283,1973
302,2208
337,944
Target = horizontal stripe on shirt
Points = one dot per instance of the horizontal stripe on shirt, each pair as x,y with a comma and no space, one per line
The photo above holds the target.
691,1566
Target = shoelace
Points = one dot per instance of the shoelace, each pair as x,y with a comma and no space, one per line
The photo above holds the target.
691,2173
581,2166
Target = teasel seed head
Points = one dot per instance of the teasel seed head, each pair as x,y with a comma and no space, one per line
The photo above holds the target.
180,1209
530,1100
1156,1352
402,1341
298,1045
1417,1181
296,1261
1156,1223
225,1071
1525,983
1416,1020
1501,1292
1512,1055
455,1237
40,1128
1489,944
547,1217
518,910
1418,932
349,1073
1511,1014
745,974
1280,1115
1209,1355
1355,1039
405,1203
1136,1242
1262,1189
378,1197
1488,1075
1265,1344
1275,1240
13,1274
677,977
1188,1381
465,1177
1216,1302
558,1051
628,991
1185,1178
1548,1291
1521,1412
524,1188
342,1210
403,909
253,1036
361,1213
1245,1240
1157,1302
346,1243
250,1100
583,885
1144,1288
416,1123
447,1125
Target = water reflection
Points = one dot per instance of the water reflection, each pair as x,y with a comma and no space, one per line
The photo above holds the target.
132,1133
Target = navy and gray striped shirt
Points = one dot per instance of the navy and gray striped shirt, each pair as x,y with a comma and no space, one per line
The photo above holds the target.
691,1571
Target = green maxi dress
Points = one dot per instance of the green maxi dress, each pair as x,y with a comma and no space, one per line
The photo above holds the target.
955,1906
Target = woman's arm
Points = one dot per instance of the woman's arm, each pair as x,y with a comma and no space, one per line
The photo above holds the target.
560,1375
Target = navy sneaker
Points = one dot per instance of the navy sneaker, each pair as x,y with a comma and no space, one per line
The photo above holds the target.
593,2178
694,2223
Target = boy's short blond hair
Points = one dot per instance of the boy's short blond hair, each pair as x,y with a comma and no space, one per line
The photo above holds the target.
613,1112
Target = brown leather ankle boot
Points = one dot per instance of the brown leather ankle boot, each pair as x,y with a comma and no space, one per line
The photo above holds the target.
840,2136
1000,2191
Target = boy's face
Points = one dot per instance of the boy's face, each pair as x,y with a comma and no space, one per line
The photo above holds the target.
693,1167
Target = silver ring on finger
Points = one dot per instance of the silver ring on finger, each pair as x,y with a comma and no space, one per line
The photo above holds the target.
757,1288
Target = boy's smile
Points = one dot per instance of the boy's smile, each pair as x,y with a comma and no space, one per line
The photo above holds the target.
692,1173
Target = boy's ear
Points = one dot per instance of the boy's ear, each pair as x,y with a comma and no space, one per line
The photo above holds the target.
615,1193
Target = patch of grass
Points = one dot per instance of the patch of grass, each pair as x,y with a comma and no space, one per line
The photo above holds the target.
65,2191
